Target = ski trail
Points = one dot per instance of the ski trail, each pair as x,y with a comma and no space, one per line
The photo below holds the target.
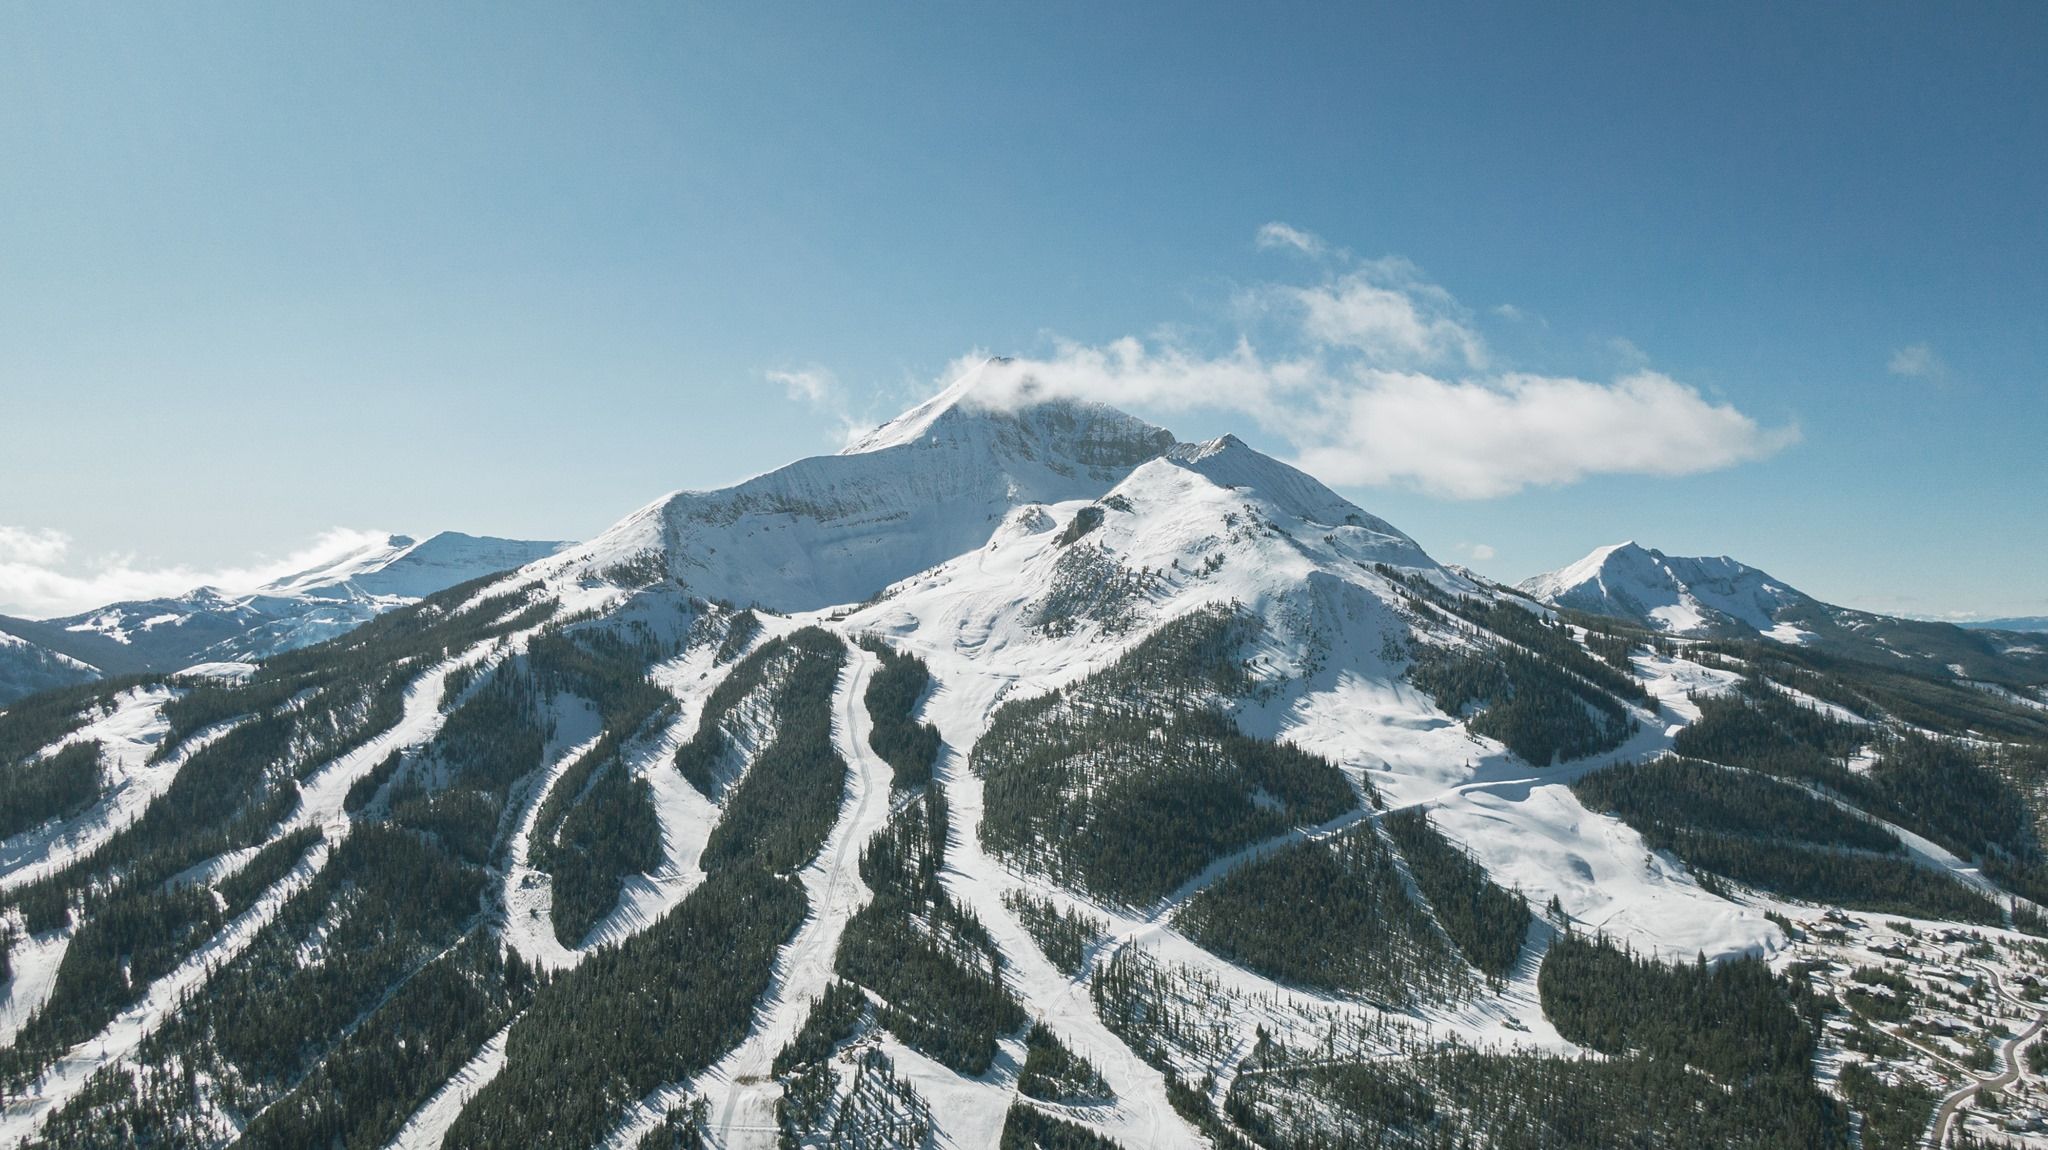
1923,850
527,892
322,794
69,1074
740,1090
686,818
35,960
428,1126
968,1113
128,737
320,804
1142,1116
1218,869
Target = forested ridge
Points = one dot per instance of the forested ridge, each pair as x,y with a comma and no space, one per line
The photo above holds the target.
892,698
781,809
1331,914
597,824
930,959
654,1009
1126,785
1698,1056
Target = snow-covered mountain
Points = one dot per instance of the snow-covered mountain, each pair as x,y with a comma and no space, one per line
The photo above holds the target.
1719,597
26,668
923,488
1019,776
207,625
1684,596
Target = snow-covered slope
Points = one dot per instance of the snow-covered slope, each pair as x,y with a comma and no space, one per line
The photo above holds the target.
1685,596
1220,523
1719,597
207,625
928,486
1027,553
26,668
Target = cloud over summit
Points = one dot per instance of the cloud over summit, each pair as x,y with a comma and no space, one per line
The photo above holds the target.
1379,377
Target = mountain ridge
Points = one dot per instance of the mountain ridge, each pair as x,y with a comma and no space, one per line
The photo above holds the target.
924,488
206,624
1723,598
1024,775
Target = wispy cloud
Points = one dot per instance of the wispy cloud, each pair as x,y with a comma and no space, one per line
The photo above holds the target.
1380,379
1626,351
1387,313
818,388
1277,235
1918,361
37,581
814,385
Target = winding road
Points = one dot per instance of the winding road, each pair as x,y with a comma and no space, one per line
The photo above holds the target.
1945,1114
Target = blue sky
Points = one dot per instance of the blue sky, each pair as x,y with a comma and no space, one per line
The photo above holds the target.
269,271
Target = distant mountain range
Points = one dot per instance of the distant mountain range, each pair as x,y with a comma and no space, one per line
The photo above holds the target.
1719,597
206,625
2015,623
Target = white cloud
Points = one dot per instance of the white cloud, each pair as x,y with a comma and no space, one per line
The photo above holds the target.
1373,311
819,388
1383,383
1918,361
1130,372
1477,439
1280,235
32,545
1482,552
1626,351
814,385
35,582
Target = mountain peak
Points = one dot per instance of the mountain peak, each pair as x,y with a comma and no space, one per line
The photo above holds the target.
1221,445
929,485
1686,595
995,405
1231,462
1597,565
